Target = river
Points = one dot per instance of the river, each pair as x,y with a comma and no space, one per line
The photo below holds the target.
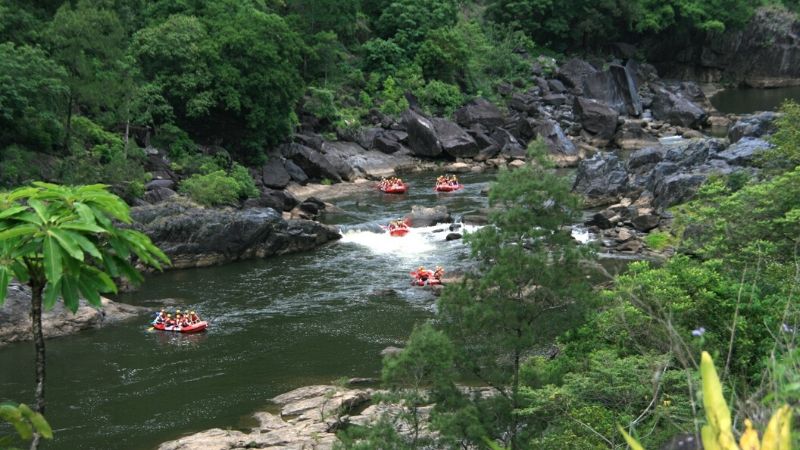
276,324
746,101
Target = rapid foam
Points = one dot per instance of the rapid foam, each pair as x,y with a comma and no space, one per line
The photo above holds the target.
418,241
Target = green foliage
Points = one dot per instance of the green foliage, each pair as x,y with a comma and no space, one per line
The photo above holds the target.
658,240
785,155
220,187
25,421
382,56
440,98
20,166
175,140
32,98
586,24
64,239
230,72
320,103
408,22
443,56
393,99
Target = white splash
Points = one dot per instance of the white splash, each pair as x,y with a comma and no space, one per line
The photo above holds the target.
581,234
418,241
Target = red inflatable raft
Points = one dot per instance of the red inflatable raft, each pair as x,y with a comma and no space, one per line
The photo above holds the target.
194,328
447,187
429,282
394,189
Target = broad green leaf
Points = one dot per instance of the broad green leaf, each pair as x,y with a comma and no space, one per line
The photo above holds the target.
11,211
20,272
52,259
40,208
9,412
69,292
89,291
38,421
85,244
18,231
67,243
51,292
5,278
83,226
85,212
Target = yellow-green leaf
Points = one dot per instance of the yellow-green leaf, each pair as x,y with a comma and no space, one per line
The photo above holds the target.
777,436
749,439
633,443
52,259
717,413
67,243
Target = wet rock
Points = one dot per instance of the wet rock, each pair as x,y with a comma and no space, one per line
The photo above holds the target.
454,140
527,102
15,322
601,178
479,111
632,246
645,220
453,236
158,195
309,140
615,88
743,152
676,189
755,126
274,175
193,236
557,142
312,162
386,143
422,216
277,200
556,86
646,157
391,351
596,118
676,109
295,172
555,99
163,183
422,137
573,72
509,145
457,167
366,163
632,135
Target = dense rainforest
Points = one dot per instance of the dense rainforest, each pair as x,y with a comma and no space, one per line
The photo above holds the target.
87,87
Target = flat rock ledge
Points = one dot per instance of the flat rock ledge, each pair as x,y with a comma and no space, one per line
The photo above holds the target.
15,321
308,418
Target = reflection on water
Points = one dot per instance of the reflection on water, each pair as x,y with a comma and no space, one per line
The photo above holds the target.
748,100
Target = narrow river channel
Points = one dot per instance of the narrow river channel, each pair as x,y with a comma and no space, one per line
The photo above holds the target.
276,324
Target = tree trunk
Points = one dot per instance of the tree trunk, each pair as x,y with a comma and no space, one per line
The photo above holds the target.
38,343
68,125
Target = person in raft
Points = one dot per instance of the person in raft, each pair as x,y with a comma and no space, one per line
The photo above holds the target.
193,318
422,273
161,317
438,273
452,180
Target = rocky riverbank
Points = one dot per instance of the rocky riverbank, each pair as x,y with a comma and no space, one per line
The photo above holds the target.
308,419
15,322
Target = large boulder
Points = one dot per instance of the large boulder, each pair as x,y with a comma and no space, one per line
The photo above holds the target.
676,189
193,236
479,111
632,135
295,172
510,147
645,158
525,102
676,109
313,162
743,152
557,142
454,140
422,216
15,321
274,174
422,137
601,178
597,118
369,164
754,126
614,87
573,72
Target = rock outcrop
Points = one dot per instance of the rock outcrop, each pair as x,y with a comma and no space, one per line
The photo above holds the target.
15,321
193,236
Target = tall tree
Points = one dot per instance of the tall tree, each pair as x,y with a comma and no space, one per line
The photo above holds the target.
32,95
89,41
231,74
62,241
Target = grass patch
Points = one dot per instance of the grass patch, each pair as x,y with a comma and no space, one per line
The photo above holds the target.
658,240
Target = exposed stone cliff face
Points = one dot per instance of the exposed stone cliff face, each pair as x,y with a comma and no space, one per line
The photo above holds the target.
765,53
193,236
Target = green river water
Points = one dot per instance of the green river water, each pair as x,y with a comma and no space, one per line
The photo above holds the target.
276,324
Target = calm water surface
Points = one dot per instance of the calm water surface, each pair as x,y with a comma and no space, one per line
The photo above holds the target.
276,325
745,101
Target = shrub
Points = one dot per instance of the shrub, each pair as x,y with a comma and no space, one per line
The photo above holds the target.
175,140
658,240
19,166
215,188
440,98
219,187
